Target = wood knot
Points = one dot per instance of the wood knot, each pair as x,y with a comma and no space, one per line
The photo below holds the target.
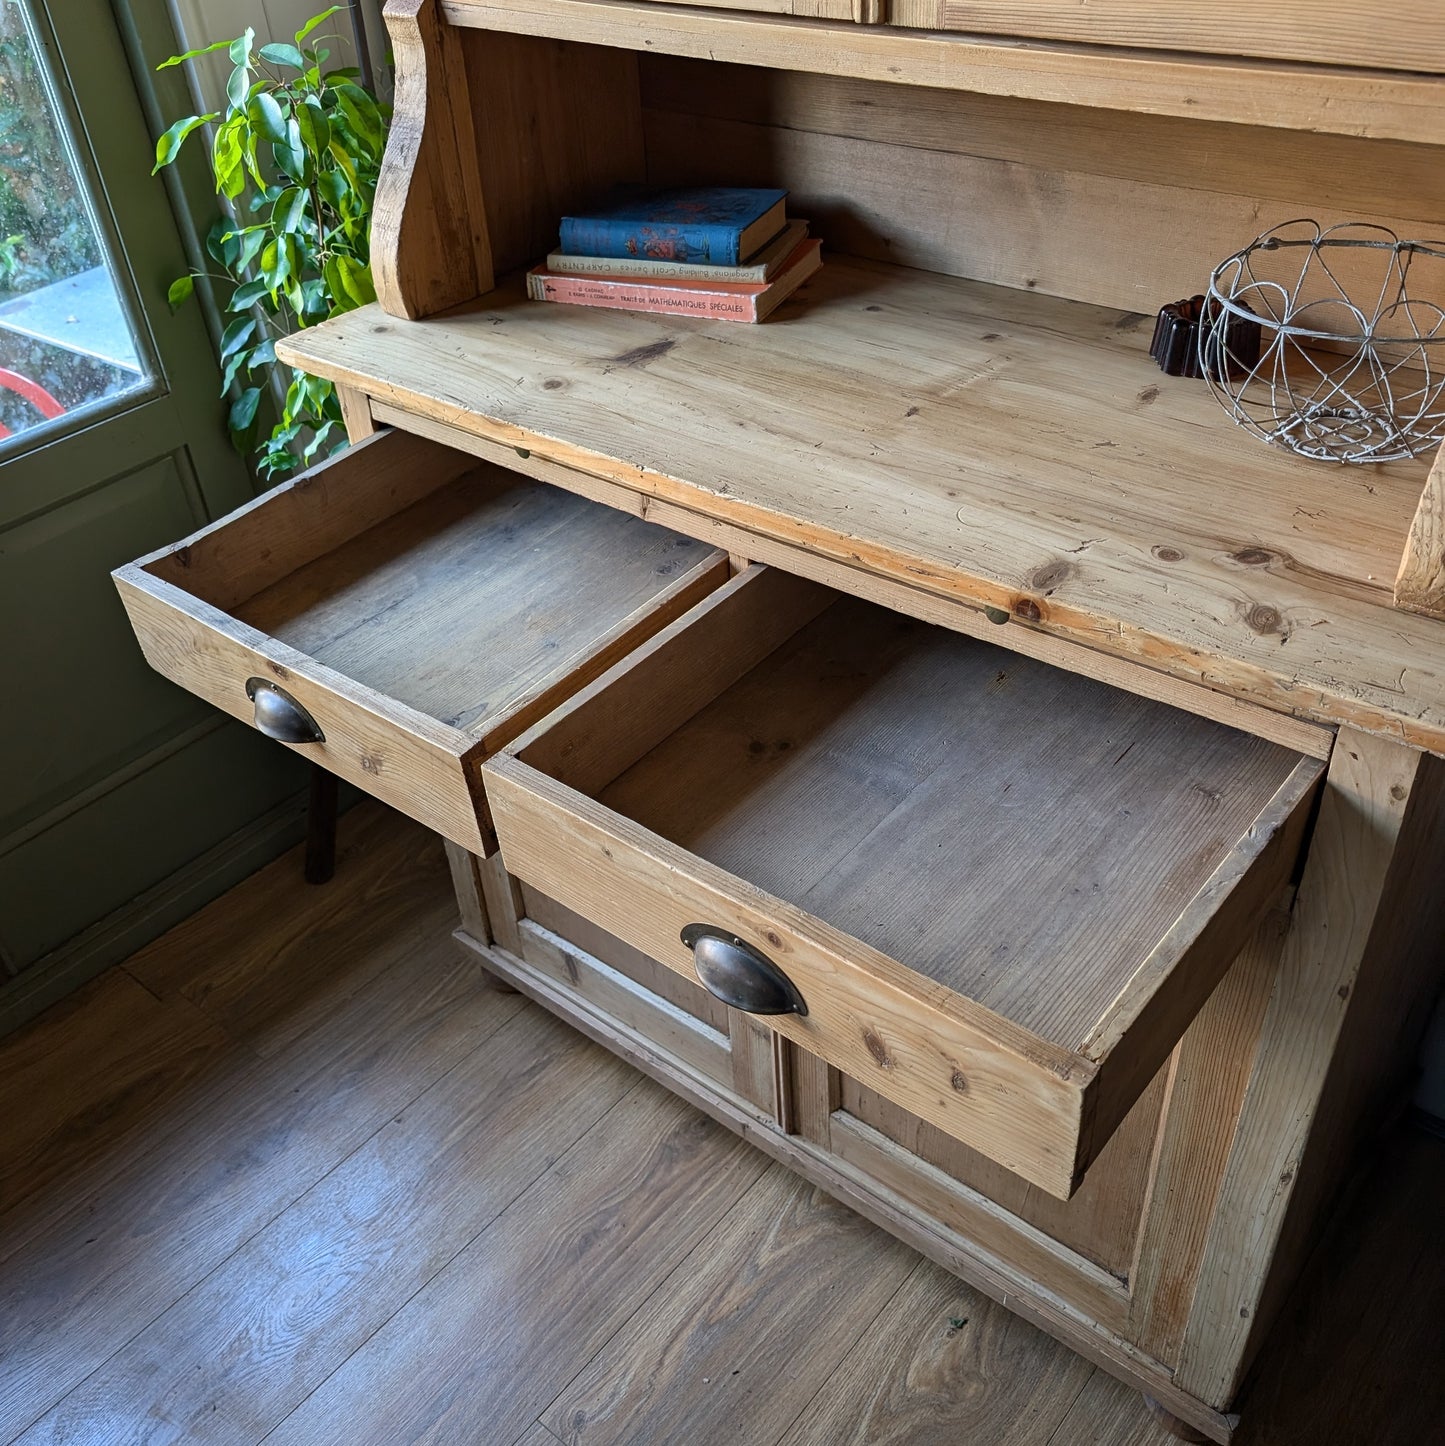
1045,579
553,384
1263,618
1029,610
877,1049
371,764
771,935
996,615
639,356
959,1081
1148,395
1398,792
1167,554
1252,557
280,670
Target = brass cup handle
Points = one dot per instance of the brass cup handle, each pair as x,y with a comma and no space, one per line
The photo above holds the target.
740,975
280,716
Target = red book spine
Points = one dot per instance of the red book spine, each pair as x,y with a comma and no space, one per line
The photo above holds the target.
729,303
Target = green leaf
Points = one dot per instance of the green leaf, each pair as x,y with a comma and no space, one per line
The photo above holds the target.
236,335
169,145
238,83
357,280
318,442
314,127
291,154
247,295
283,55
222,243
240,48
343,159
276,264
263,355
191,54
267,118
232,370
349,282
334,189
315,21
228,157
289,211
243,409
252,240
362,113
249,156
180,290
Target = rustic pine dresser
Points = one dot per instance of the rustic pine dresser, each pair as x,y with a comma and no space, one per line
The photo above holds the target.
1042,774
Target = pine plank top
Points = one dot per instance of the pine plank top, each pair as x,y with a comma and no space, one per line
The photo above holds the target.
999,448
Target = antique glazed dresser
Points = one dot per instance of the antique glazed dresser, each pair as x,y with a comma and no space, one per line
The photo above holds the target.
1041,774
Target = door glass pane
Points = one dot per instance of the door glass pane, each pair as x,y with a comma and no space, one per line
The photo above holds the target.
68,344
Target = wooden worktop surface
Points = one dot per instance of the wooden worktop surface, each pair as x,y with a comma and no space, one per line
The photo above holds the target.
996,447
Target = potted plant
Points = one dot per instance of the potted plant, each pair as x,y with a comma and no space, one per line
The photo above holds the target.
295,156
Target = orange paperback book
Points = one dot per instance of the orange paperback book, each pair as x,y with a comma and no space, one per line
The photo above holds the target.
724,301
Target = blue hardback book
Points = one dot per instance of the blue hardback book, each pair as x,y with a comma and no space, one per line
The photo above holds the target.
713,225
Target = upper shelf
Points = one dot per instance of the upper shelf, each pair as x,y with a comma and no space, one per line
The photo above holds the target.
1383,104
994,447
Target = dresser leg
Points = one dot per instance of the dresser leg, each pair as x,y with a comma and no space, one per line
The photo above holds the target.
1172,1424
321,827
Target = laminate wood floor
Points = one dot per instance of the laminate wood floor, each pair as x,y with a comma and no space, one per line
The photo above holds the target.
297,1174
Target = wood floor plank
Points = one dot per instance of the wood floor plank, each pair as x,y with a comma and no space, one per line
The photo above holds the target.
262,961
753,1323
119,1255
91,1073
308,949
538,1435
480,1352
250,1342
1108,1413
940,1365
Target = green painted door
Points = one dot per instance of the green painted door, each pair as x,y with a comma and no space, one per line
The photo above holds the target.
124,803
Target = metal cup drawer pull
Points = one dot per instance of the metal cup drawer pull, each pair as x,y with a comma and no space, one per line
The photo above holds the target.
280,716
740,975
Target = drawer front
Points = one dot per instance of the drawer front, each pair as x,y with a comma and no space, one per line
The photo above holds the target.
399,612
408,761
1403,35
1039,1096
1014,1098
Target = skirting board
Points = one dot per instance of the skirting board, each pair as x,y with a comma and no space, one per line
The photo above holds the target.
121,933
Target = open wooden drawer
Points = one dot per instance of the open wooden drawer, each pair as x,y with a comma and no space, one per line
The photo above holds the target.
401,611
990,890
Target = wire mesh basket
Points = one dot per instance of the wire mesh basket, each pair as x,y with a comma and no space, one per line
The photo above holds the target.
1331,342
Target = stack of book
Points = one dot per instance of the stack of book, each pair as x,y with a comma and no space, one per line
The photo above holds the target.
717,251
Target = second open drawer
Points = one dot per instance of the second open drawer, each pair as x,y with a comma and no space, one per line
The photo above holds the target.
991,890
